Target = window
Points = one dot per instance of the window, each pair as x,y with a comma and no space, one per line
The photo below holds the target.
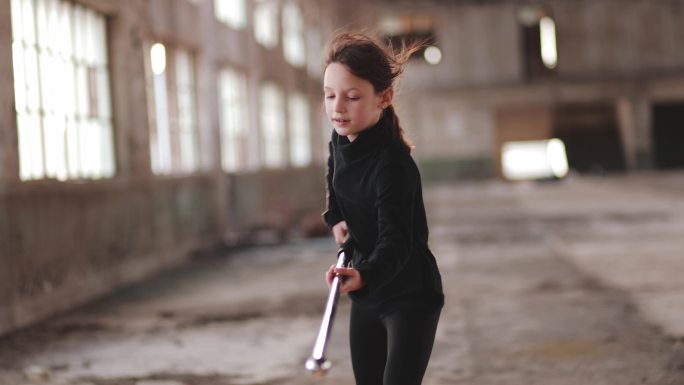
300,131
266,23
293,35
540,56
62,95
547,40
272,126
231,12
233,119
173,132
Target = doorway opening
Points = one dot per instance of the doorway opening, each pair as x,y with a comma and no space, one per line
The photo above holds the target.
591,136
668,135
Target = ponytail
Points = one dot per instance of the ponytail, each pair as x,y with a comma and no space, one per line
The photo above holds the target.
393,120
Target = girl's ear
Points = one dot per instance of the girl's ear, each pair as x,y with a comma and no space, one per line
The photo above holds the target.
386,97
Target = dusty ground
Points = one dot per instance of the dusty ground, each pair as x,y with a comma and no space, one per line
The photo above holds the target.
554,283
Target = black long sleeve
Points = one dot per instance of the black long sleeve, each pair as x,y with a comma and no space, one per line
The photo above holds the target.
332,215
374,185
394,196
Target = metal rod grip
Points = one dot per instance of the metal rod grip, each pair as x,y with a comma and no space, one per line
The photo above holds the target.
317,363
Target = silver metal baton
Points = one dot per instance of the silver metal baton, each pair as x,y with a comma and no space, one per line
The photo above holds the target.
318,364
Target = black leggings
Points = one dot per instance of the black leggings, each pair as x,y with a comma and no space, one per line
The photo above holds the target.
391,349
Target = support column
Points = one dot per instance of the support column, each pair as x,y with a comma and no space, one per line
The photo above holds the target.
9,156
127,36
627,128
208,112
643,133
9,170
634,119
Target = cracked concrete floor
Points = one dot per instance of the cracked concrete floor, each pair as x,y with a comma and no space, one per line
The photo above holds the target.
553,284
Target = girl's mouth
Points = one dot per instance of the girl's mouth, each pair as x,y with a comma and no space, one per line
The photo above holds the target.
341,122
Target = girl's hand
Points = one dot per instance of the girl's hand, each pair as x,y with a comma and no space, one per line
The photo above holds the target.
330,275
340,232
351,279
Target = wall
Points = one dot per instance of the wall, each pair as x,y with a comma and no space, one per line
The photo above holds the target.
617,39
458,128
596,40
607,54
64,243
274,205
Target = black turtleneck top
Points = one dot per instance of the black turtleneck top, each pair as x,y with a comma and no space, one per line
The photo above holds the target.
374,185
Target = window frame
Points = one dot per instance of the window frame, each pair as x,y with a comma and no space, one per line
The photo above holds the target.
167,128
62,92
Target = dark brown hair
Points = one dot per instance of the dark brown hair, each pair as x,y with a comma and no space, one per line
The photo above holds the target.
380,64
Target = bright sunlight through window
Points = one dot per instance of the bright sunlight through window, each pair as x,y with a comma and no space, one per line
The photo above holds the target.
62,93
537,159
547,34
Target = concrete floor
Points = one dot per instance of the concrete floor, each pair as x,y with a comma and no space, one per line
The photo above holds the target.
577,282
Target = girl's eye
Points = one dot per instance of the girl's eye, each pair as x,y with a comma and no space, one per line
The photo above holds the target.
353,98
329,96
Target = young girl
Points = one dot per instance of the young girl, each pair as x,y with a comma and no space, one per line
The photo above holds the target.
375,210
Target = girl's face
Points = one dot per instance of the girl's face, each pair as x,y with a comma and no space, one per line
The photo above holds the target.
351,103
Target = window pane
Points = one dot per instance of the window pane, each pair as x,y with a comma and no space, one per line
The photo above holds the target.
183,69
231,12
55,153
266,23
89,38
300,140
107,149
47,72
233,117
99,42
19,79
31,67
272,127
28,21
30,145
17,32
104,106
64,30
78,34
160,139
547,29
42,23
293,35
88,144
81,85
73,155
187,114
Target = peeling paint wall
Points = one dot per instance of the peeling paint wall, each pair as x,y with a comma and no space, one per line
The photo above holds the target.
289,203
64,243
67,244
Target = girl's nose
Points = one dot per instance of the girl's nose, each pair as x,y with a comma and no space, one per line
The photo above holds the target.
338,105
